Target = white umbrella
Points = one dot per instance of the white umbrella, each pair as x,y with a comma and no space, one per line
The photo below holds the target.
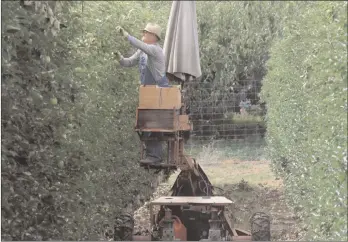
181,52
181,47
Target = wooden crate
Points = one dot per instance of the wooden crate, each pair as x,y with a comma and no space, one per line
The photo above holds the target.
161,120
154,97
156,120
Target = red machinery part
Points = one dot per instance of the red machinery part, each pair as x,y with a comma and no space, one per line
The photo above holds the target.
180,231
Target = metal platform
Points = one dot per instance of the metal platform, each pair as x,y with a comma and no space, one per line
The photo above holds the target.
214,200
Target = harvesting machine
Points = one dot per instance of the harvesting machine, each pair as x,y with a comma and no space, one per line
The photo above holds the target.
192,212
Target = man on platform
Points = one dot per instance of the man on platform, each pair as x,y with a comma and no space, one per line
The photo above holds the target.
150,59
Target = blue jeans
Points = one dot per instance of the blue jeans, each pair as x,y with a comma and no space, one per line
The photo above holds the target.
163,82
154,148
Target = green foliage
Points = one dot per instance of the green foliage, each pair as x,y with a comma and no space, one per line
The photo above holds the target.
33,181
306,95
106,109
234,40
69,152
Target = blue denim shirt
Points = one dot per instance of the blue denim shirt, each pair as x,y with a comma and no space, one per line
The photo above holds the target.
146,78
151,63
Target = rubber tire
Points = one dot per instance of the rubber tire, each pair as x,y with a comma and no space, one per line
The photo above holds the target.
124,228
260,227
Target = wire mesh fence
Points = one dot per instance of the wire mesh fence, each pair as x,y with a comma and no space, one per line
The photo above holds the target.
227,121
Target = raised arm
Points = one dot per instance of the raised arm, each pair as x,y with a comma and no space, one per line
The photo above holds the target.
148,49
131,61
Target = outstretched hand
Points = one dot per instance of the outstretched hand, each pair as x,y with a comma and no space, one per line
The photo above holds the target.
121,30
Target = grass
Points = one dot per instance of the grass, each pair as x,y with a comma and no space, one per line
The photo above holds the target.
248,118
255,173
228,162
222,150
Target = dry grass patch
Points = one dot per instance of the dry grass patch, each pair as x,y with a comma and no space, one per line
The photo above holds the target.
233,171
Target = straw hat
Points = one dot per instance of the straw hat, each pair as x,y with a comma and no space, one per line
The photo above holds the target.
154,29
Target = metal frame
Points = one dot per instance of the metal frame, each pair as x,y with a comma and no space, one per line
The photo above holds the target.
202,203
189,170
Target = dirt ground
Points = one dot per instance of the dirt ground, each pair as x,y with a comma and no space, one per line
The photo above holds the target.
251,186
